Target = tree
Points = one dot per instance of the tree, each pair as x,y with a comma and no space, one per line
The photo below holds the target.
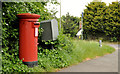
101,20
93,15
113,21
70,24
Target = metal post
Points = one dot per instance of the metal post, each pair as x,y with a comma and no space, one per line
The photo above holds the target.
82,25
60,14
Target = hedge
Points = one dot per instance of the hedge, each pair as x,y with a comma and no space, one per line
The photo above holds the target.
102,21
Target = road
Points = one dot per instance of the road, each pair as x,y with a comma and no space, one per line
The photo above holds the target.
107,63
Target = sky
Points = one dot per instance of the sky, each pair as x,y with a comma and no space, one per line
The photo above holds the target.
74,7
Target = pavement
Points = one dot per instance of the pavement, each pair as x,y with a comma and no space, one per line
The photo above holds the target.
107,63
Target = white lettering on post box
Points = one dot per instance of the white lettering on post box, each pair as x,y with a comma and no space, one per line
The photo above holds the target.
36,31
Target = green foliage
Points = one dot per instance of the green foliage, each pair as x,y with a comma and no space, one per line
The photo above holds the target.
56,58
70,25
101,20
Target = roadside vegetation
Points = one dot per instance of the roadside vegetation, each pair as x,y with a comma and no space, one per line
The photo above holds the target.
90,49
69,52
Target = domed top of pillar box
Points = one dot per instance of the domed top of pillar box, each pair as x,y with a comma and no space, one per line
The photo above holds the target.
28,16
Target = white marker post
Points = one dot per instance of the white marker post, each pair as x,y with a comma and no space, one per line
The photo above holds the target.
100,43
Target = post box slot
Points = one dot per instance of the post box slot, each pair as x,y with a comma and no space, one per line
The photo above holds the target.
36,24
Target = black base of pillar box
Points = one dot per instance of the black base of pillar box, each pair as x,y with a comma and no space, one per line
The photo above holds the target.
31,64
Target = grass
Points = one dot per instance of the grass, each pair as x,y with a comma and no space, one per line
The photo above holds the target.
83,50
90,49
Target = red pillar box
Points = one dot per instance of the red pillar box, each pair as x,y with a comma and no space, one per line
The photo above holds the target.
28,38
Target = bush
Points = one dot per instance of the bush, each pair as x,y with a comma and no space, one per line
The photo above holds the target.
101,20
56,58
70,25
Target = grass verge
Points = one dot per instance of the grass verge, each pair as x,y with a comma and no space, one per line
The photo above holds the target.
89,49
82,50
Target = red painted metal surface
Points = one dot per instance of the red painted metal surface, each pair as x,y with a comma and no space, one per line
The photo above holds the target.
27,40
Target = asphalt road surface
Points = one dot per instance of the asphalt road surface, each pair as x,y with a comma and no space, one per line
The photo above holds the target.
107,63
